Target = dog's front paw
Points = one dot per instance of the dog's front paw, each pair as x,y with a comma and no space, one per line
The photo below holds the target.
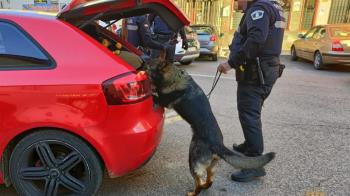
191,194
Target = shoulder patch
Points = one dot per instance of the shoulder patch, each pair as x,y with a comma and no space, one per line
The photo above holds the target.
257,14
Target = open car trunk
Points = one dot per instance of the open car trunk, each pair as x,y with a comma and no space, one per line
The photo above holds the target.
85,15
79,12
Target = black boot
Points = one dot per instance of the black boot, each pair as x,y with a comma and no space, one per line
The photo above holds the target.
242,148
246,175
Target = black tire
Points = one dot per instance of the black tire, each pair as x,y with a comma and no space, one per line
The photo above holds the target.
186,62
52,162
318,61
293,54
214,57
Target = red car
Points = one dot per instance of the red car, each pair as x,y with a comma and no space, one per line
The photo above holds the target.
69,108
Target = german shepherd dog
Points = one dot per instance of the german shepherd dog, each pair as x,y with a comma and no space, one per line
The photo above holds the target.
176,89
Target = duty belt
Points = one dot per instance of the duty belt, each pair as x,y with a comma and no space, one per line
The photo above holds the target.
163,36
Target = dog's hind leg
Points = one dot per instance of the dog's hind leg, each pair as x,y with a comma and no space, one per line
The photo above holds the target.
211,173
198,185
200,158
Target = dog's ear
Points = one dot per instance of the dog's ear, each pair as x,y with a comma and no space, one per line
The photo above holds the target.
162,55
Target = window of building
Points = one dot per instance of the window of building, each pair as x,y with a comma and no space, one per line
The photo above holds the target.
308,14
235,19
340,12
19,51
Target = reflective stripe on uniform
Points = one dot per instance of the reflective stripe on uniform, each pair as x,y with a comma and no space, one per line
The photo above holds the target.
132,27
281,13
280,24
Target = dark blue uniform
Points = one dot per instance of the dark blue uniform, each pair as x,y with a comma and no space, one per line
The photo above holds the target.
163,34
260,34
139,33
160,27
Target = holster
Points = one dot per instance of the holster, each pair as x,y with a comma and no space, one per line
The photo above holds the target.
281,68
271,70
247,72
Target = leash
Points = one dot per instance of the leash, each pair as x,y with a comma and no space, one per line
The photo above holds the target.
216,80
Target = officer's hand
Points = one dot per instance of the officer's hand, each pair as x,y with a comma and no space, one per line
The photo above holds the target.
172,41
224,67
146,59
185,44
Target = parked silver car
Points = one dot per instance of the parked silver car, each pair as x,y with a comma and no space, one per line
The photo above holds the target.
208,39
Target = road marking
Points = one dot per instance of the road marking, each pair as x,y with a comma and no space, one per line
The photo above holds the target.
170,113
315,193
173,119
211,76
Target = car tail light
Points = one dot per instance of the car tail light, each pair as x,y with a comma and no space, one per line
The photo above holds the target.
337,46
127,88
213,38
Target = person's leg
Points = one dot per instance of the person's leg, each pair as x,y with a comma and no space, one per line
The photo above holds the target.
161,39
170,52
250,99
249,103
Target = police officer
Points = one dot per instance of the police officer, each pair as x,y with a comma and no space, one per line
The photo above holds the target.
140,35
254,54
163,34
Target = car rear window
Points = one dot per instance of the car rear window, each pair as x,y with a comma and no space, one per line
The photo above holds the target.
17,50
340,32
203,30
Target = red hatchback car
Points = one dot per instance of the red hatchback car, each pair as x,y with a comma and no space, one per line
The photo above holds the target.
69,107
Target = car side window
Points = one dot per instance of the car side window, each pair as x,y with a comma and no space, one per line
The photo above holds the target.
18,50
320,33
310,33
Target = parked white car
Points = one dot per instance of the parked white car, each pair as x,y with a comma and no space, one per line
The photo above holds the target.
186,57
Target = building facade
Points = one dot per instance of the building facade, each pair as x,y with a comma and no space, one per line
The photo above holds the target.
300,14
37,5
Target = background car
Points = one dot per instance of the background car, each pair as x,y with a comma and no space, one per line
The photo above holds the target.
70,108
208,38
326,44
186,57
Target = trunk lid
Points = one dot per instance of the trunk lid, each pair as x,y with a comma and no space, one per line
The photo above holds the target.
341,34
346,45
79,12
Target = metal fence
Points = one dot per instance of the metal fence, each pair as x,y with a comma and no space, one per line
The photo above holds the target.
340,12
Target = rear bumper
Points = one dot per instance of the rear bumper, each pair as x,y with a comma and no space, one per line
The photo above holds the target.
336,58
188,56
129,136
209,50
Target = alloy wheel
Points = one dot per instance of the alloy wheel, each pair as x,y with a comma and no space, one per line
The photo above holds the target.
52,167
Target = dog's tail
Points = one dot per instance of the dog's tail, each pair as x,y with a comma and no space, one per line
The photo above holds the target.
238,160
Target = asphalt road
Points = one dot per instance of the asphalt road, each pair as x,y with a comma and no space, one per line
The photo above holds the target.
306,121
